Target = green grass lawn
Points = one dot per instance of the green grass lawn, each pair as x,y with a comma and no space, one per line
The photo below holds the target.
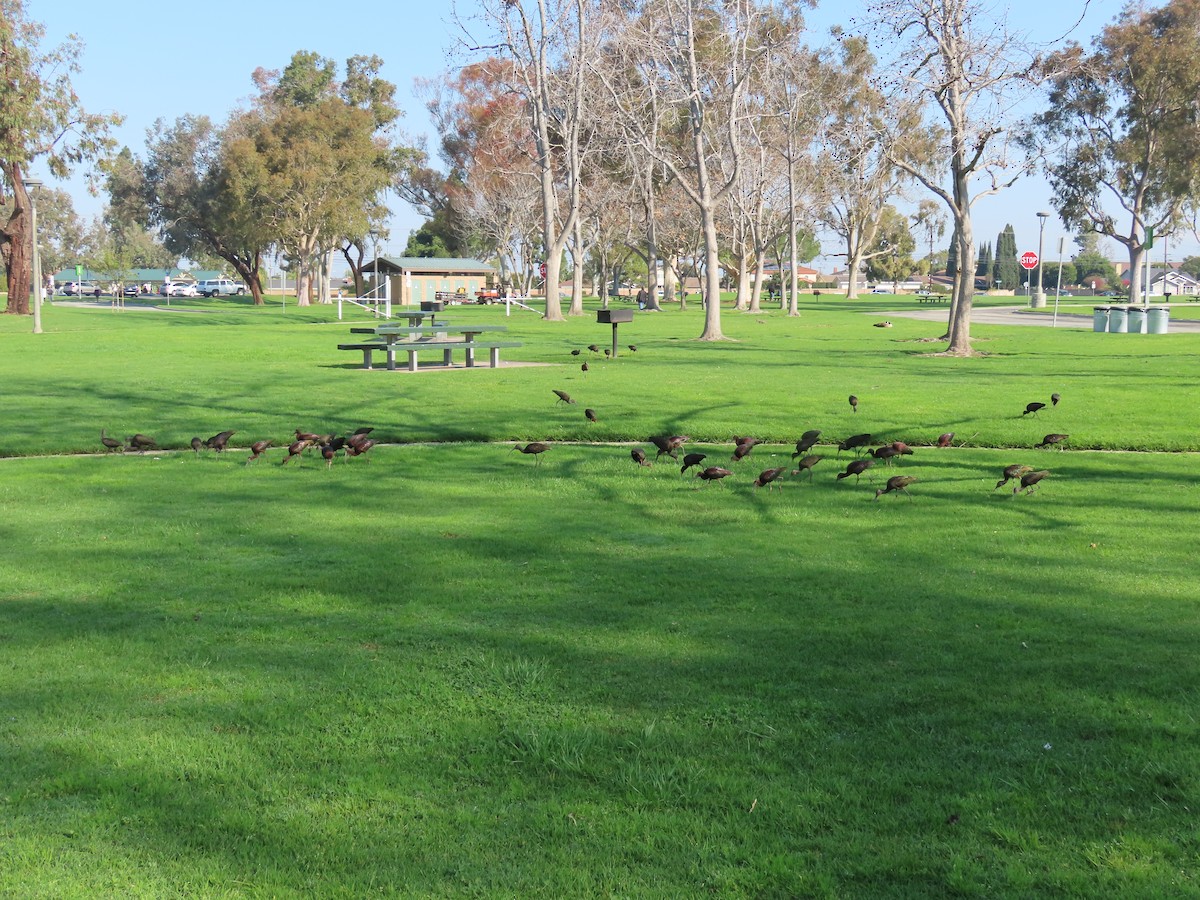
451,670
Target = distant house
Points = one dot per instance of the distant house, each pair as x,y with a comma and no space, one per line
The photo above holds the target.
1173,282
803,273
412,279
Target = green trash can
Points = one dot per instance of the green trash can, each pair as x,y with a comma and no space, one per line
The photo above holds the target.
1137,320
1100,318
1158,319
1118,320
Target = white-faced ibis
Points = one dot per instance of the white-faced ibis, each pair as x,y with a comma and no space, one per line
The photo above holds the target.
1016,470
713,473
853,403
594,348
1029,481
607,353
329,454
110,443
141,443
638,455
308,436
218,441
741,451
583,368
358,448
898,483
1054,398
807,464
256,450
691,459
856,469
669,444
883,324
1052,439
296,448
886,452
767,476
945,439
1033,408
854,442
575,352
807,441
750,441
633,348
590,415
537,448
901,448
366,429
563,397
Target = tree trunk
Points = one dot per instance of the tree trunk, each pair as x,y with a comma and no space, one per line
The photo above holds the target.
17,247
712,276
577,255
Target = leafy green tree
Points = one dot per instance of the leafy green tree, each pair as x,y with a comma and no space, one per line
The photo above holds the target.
1091,265
952,255
890,258
983,268
1123,112
1006,270
426,243
1191,265
40,119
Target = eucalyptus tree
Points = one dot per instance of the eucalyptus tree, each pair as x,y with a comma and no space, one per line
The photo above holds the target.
968,70
865,137
41,120
548,46
697,60
1122,119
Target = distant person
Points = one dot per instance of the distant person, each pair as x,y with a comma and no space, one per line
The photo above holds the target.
641,298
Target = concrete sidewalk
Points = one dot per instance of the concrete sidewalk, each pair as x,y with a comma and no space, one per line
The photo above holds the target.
1023,315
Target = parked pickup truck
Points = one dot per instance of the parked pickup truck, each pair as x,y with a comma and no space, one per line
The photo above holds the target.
215,287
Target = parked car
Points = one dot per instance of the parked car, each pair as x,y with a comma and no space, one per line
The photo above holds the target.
81,289
183,289
217,287
881,290
130,290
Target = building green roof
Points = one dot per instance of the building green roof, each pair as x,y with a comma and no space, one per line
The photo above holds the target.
431,264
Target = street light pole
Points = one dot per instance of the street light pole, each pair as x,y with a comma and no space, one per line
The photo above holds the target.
30,185
1039,299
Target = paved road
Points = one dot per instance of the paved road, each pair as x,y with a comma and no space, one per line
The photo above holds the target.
1022,315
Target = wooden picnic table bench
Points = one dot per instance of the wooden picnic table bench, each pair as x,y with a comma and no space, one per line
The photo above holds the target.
412,339
933,298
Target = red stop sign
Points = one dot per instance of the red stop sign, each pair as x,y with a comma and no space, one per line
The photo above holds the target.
1029,260
542,269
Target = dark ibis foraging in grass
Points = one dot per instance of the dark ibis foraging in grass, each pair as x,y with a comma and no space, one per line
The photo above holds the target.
1033,408
536,448
945,439
669,444
329,454
256,450
575,352
1029,482
713,473
854,442
110,443
807,464
767,476
856,469
141,443
358,448
1051,439
1054,398
295,448
590,415
691,459
307,436
807,441
594,348
638,455
886,452
197,445
853,403
741,451
633,348
898,483
583,368
563,397
1016,470
219,441
884,324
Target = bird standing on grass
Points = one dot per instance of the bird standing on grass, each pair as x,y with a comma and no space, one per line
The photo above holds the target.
713,473
807,440
854,442
563,397
1016,470
1033,408
691,459
945,439
898,483
141,443
1054,398
807,464
110,443
633,348
590,415
767,476
358,448
853,403
856,469
218,441
256,450
638,455
536,448
1052,439
1029,482
583,368
296,449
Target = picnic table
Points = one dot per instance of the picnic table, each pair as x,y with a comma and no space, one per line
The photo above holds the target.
412,339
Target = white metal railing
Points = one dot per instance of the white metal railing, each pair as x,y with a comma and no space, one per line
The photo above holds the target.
371,302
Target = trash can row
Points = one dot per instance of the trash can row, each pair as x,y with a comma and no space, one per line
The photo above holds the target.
1131,319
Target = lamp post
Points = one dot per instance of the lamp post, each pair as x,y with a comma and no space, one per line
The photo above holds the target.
1039,299
30,185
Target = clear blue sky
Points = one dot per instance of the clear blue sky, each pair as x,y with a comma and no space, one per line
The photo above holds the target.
148,60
